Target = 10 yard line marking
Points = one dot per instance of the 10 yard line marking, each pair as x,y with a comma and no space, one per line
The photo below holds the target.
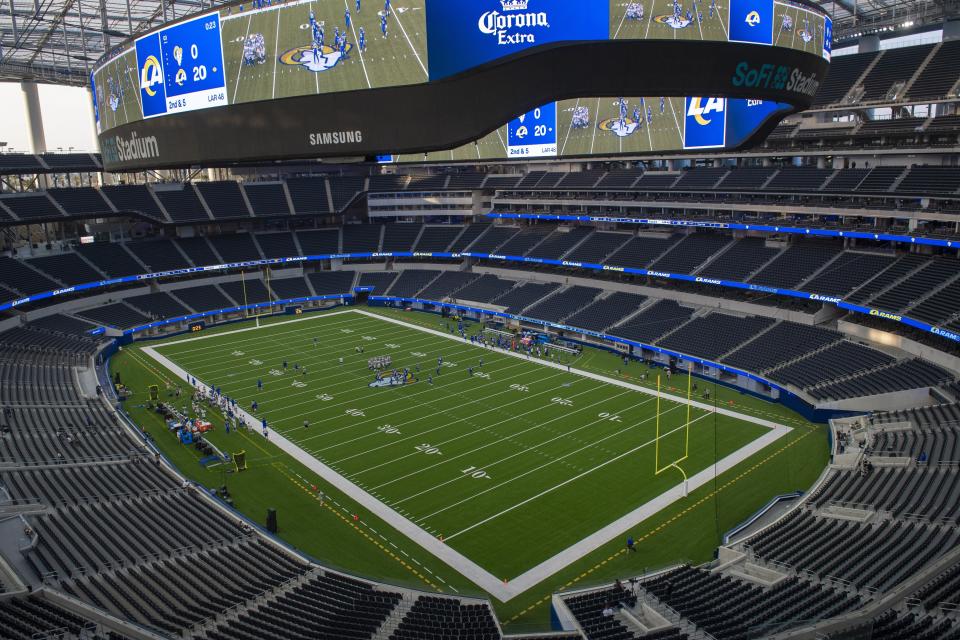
474,432
514,455
526,473
564,483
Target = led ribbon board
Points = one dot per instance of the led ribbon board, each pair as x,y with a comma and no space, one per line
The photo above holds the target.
297,79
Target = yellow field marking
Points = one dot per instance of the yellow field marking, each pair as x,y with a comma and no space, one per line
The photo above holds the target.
347,521
661,526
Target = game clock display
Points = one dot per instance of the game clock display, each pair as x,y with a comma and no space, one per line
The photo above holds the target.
181,68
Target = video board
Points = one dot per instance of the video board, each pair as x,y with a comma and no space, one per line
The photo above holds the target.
614,126
269,50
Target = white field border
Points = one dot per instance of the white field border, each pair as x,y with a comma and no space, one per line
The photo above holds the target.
496,587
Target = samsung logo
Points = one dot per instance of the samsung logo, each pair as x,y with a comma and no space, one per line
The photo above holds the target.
883,314
708,280
335,137
815,296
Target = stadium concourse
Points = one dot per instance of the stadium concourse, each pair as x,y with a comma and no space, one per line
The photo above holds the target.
651,396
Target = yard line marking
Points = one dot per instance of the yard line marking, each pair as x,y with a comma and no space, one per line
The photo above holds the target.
353,28
396,14
513,435
570,126
593,140
272,325
240,70
679,130
554,461
519,453
276,56
425,417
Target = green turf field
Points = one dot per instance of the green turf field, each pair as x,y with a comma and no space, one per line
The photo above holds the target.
509,465
688,530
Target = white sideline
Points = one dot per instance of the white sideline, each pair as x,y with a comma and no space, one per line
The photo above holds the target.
465,566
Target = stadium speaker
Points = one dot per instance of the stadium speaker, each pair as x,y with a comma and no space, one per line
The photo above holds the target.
272,520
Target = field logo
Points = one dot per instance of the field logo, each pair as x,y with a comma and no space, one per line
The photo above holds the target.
619,127
673,21
751,21
706,123
327,57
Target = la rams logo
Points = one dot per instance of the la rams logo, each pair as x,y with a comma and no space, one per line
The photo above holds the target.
805,35
151,75
304,57
622,129
700,112
753,19
672,21
114,102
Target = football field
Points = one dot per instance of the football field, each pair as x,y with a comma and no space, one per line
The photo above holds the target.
507,466
289,68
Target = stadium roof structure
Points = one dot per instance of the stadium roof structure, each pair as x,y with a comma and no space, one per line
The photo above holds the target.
855,18
58,41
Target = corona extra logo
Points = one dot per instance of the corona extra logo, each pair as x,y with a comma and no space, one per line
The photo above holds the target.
151,75
514,5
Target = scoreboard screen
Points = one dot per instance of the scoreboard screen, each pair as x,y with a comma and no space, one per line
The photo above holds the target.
181,68
274,49
613,126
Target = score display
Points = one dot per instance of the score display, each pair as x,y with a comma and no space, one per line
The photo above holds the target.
181,68
534,134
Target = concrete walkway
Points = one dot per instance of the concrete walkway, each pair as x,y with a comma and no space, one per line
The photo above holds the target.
465,566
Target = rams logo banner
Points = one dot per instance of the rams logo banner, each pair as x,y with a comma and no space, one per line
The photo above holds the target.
153,96
316,60
705,123
751,21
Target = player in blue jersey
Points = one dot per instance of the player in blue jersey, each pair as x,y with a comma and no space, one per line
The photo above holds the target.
259,384
358,6
313,20
343,49
636,114
363,40
346,18
663,105
713,3
386,7
623,113
383,25
649,115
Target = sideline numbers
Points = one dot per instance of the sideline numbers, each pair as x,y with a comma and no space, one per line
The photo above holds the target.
475,473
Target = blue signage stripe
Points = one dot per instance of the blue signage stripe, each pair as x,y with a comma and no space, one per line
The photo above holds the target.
923,326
